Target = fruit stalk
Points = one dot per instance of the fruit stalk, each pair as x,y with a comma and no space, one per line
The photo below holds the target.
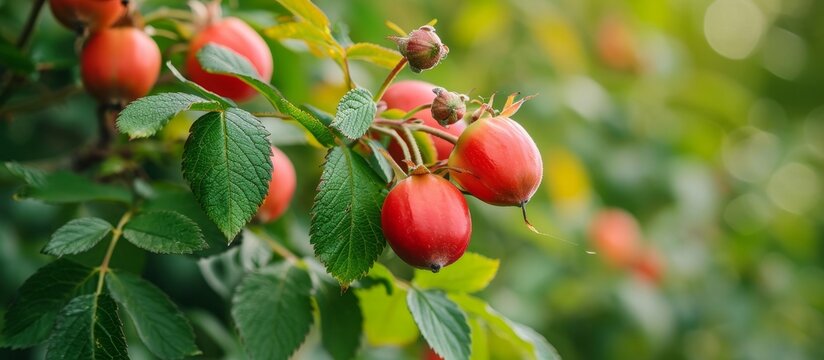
420,127
389,78
397,138
413,144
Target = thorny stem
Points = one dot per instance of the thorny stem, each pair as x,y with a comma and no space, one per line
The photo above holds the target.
104,266
389,78
409,114
394,134
413,144
276,247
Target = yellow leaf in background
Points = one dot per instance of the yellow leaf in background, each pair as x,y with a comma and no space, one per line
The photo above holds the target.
473,272
321,42
560,41
386,319
308,11
480,20
375,54
480,340
567,180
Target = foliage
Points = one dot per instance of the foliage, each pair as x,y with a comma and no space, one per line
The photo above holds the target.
718,158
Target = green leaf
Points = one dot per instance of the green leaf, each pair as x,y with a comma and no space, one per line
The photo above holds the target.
320,41
471,273
146,116
222,60
345,229
77,236
178,198
272,309
31,176
386,320
543,349
375,54
341,321
165,232
308,11
376,161
480,347
311,123
12,58
378,275
159,323
201,90
88,328
441,322
324,117
523,338
31,316
66,187
226,162
355,113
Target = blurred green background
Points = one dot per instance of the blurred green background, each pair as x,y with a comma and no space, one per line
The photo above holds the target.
703,119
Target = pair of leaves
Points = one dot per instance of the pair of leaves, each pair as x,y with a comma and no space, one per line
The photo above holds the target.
58,302
156,231
89,326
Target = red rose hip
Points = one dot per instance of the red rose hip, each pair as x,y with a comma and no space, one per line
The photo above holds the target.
240,37
92,14
281,187
409,94
119,64
496,161
616,236
426,221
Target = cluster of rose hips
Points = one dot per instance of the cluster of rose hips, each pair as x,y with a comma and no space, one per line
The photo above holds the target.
120,63
425,217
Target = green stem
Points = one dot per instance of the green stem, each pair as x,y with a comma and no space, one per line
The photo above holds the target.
414,111
389,78
276,247
398,139
347,74
413,144
419,127
272,115
116,233
437,132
